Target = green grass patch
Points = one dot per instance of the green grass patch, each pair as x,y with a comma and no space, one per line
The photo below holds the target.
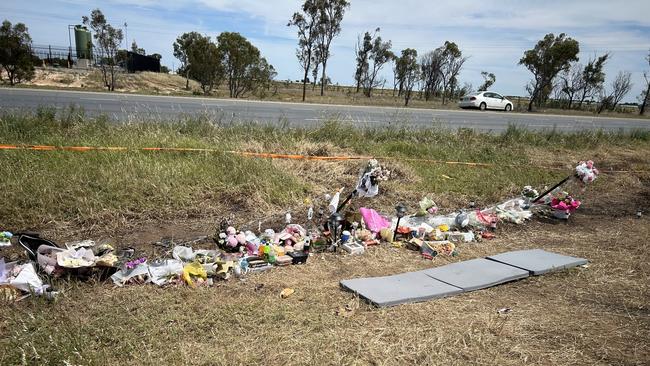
45,186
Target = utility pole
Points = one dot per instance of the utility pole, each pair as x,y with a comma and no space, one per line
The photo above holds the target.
126,36
70,46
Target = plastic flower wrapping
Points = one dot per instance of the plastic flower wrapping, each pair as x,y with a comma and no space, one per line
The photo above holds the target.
564,202
586,171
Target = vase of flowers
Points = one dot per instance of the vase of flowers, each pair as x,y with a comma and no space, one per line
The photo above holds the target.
563,205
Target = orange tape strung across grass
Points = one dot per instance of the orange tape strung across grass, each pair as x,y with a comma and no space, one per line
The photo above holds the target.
241,153
279,156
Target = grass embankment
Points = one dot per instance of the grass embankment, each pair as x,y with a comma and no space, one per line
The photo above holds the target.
93,187
584,316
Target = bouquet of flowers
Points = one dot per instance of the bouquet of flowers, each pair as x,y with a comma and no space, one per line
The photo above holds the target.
564,202
529,192
586,172
368,184
134,263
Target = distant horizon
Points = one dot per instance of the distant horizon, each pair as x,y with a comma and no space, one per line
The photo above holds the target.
493,34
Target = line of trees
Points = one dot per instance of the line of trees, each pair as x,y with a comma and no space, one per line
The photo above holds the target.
556,70
231,59
318,22
558,77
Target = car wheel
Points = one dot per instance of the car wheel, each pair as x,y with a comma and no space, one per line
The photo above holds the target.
508,107
483,106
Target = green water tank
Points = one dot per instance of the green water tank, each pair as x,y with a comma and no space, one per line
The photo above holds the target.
83,42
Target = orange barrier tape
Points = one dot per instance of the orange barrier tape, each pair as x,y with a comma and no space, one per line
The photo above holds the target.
280,156
298,157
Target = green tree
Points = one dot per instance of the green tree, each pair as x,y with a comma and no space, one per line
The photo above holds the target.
378,56
181,51
402,68
108,41
308,30
593,78
242,65
164,69
260,76
204,64
136,49
550,56
452,63
488,80
362,51
16,52
430,65
409,72
331,14
645,96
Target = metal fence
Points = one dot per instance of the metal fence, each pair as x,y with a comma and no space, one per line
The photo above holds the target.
57,56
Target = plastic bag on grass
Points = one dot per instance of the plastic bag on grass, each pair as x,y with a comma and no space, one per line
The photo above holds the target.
21,276
139,274
374,221
162,272
185,254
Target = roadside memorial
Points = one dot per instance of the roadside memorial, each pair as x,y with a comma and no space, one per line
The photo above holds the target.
238,251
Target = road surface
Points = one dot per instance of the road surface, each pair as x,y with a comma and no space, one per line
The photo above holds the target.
134,107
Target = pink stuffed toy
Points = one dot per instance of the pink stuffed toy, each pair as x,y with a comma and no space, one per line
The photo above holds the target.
586,171
231,238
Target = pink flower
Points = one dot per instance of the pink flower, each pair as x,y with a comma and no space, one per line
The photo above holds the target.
568,205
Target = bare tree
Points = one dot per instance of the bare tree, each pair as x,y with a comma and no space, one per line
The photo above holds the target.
571,82
331,15
619,88
307,24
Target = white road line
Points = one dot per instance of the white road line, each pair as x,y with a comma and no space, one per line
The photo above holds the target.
104,99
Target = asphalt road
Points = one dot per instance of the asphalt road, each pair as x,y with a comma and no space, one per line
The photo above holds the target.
133,107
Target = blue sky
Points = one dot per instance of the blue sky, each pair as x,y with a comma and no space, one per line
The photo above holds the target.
493,33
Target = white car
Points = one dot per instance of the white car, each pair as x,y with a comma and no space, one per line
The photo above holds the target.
485,100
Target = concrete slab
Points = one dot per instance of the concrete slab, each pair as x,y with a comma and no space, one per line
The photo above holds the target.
476,274
538,261
399,289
